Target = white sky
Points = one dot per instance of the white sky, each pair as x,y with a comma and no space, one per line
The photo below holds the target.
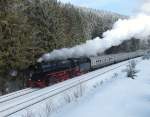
125,7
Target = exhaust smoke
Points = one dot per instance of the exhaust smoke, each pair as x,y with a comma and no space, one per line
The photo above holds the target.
137,26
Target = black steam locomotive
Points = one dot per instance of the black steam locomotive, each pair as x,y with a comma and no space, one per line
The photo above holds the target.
48,73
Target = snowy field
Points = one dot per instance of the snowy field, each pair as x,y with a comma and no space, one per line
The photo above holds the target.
123,97
108,94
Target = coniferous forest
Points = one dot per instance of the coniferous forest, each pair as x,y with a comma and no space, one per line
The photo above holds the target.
30,28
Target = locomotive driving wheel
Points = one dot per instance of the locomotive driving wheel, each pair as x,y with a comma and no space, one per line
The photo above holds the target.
51,80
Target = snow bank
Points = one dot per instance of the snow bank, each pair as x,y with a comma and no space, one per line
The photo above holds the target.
122,98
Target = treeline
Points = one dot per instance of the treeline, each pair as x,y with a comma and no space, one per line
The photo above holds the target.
29,28
129,46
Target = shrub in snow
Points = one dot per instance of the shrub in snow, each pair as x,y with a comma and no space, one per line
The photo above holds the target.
146,55
78,91
67,98
49,108
98,84
131,69
115,75
29,114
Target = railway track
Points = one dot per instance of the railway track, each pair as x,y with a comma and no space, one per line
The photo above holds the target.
11,94
16,94
10,108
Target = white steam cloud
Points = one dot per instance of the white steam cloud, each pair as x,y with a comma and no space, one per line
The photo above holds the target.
136,26
145,7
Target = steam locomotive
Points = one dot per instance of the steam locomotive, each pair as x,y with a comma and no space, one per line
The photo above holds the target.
48,73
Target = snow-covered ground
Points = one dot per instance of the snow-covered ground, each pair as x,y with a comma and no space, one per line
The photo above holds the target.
123,97
109,94
55,102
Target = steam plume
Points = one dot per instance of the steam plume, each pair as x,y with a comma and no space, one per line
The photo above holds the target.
137,26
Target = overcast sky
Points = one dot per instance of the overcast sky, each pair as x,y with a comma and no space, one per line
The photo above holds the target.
126,7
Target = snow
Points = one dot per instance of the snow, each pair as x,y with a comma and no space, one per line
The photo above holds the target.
13,95
109,94
47,92
123,97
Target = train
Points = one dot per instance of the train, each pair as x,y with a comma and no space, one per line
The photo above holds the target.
51,72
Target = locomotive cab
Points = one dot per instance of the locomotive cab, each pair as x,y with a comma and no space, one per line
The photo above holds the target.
35,76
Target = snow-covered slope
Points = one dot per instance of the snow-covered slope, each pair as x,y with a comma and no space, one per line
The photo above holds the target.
104,92
36,101
123,97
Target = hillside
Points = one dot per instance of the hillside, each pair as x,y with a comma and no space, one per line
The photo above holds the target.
33,27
